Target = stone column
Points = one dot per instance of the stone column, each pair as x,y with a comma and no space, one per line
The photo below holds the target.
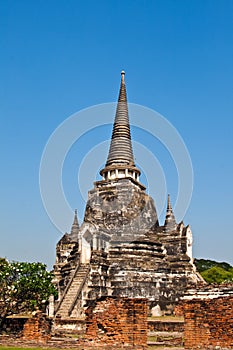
94,242
51,306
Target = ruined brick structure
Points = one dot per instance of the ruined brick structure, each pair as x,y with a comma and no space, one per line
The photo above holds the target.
208,314
37,328
120,249
113,321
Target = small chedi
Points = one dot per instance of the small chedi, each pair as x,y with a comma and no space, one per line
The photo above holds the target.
120,249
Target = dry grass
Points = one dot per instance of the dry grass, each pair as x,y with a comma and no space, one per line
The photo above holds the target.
41,348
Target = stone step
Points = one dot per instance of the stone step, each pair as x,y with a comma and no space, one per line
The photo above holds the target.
160,339
72,291
74,288
166,334
62,340
68,299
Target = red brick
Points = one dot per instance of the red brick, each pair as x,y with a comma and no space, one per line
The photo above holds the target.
118,321
208,322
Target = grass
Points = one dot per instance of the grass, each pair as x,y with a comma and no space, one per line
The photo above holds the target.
81,348
41,348
16,348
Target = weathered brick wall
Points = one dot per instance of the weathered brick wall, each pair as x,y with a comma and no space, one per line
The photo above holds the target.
118,321
13,325
178,309
37,328
208,323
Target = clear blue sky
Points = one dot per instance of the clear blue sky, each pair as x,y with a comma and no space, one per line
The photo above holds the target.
58,57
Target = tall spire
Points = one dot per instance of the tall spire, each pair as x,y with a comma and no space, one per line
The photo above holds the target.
121,146
75,226
120,161
170,221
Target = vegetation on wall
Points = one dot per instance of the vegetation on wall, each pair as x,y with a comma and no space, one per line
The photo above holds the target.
213,271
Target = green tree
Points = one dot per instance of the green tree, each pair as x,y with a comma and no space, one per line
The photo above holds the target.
217,275
24,287
205,264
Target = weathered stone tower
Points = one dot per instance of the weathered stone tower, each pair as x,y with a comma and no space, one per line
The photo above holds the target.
120,249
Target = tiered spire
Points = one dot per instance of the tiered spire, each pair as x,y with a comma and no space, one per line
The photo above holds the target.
75,227
170,221
120,161
121,147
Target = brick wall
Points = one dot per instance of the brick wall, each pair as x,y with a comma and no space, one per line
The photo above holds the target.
13,325
118,321
37,328
178,309
208,323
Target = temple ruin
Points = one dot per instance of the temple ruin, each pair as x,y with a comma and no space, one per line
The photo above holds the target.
120,249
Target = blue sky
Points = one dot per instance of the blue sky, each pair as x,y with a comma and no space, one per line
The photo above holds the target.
58,57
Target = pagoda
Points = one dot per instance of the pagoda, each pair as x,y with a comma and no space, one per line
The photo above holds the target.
120,249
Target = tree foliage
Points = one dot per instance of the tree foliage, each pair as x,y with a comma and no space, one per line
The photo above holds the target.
213,271
205,264
217,275
24,287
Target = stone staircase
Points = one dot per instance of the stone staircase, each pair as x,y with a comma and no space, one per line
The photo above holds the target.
72,292
165,340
